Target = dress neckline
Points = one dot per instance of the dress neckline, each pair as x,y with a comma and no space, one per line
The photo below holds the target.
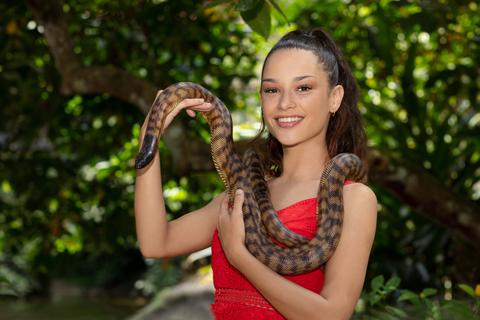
298,203
309,199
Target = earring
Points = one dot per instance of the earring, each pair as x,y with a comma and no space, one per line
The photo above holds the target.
332,114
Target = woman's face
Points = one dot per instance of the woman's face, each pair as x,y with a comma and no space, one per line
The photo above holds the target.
296,97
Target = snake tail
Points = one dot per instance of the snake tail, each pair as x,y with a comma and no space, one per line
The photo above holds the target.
146,154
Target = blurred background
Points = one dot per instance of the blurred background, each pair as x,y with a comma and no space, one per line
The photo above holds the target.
78,77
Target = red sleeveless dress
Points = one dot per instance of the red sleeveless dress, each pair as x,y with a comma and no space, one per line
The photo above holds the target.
235,297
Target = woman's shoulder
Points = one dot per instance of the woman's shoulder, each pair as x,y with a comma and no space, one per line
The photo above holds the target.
359,188
360,195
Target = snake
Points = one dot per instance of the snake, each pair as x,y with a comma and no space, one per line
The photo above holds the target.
296,254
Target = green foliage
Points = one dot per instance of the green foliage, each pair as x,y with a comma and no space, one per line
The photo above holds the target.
375,303
426,305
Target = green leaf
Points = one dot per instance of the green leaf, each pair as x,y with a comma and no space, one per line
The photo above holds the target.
428,292
377,282
375,299
396,311
3,279
429,303
103,173
258,18
468,290
277,7
246,5
392,284
364,295
407,295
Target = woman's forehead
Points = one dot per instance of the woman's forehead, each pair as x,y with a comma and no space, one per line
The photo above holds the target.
294,63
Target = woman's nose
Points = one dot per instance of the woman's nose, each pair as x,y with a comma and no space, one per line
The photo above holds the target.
286,102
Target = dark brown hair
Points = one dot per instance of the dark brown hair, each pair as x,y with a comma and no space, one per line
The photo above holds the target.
346,130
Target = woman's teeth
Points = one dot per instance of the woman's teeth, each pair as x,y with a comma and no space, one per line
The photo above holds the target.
290,119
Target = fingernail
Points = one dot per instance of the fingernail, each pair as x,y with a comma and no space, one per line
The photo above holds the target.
239,191
208,104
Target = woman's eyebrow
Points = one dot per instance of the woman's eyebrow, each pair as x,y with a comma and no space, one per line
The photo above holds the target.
295,79
302,77
269,80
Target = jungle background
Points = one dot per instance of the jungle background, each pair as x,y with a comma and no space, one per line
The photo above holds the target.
78,77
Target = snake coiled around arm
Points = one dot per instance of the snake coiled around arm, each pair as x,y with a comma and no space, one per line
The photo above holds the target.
261,220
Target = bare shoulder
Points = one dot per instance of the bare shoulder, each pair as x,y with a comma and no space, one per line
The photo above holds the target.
360,207
358,194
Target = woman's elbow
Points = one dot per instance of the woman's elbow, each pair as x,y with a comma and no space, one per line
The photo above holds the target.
152,252
338,309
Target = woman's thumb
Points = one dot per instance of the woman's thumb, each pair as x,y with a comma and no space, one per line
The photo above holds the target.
239,198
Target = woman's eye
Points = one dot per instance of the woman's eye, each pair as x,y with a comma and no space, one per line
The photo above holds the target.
270,90
304,88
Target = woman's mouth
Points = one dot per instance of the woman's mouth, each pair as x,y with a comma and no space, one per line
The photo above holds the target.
288,122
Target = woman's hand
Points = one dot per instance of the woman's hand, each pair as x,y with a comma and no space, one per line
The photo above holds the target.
189,105
231,228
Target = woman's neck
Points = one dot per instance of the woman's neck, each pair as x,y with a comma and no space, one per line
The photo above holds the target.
305,161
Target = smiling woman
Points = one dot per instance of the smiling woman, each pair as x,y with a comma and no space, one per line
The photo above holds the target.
346,132
309,105
297,98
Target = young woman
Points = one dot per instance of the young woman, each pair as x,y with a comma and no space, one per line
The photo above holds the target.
309,105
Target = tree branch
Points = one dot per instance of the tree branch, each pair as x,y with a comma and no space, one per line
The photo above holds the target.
79,79
425,194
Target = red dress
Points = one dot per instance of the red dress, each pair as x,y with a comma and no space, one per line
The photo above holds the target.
235,297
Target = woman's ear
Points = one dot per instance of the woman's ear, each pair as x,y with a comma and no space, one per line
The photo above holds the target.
336,96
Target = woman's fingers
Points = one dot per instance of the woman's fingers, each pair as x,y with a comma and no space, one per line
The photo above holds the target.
238,203
191,113
190,105
231,228
224,205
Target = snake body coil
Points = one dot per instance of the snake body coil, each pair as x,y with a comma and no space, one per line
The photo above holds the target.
261,221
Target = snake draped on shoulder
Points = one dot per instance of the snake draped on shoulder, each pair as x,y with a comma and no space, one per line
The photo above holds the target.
261,220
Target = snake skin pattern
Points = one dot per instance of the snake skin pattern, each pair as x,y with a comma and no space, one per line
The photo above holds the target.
261,220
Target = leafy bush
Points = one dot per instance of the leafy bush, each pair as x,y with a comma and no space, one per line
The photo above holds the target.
387,301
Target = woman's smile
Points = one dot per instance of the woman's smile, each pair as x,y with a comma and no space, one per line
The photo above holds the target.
288,121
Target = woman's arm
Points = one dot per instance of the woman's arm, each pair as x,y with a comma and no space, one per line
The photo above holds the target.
344,273
157,237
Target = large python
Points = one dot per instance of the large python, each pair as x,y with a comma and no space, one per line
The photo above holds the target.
261,220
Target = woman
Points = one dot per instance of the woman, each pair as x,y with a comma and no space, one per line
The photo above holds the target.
309,105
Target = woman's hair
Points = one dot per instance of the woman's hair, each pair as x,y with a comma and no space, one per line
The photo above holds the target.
346,129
